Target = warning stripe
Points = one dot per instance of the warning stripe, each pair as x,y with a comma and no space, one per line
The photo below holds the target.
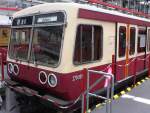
116,96
98,105
147,78
128,89
122,92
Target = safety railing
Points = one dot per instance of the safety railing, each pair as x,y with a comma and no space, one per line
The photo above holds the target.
108,77
3,55
2,65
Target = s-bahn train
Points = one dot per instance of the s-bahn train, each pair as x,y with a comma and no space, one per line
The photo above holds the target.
52,43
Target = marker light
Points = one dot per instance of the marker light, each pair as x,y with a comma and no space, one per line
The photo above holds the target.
42,77
52,80
16,69
10,68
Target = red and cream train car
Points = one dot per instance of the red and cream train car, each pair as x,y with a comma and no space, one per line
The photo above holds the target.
52,43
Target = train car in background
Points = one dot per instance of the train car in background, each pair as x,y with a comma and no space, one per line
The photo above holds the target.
52,43
5,26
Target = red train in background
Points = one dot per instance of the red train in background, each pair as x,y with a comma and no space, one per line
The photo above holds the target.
5,26
52,43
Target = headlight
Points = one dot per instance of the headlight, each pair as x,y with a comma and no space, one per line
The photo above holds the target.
16,69
52,80
10,68
42,77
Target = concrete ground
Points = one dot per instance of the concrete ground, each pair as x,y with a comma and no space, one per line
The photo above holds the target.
136,101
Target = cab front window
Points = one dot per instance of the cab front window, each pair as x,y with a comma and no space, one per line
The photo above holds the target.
46,45
38,39
19,43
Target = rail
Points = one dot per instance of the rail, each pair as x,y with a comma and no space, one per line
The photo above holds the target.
109,88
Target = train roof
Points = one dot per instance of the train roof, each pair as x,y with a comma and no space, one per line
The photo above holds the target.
4,20
68,7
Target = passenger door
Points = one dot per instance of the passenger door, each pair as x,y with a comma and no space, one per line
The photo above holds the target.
141,49
121,51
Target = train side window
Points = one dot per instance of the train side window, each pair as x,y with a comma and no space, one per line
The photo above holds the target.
148,40
88,45
132,40
98,42
141,40
122,41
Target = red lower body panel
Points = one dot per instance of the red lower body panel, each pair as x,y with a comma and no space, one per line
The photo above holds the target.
68,87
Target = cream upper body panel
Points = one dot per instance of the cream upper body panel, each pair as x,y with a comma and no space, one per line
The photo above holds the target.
69,7
67,52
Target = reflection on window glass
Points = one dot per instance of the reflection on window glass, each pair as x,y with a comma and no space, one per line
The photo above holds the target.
19,43
5,33
97,42
88,45
141,40
122,41
132,41
4,36
47,45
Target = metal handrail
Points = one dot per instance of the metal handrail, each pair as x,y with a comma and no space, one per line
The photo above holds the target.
109,87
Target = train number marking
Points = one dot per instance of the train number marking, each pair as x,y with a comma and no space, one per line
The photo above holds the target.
77,77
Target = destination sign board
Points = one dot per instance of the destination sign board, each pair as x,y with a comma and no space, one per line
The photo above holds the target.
51,18
57,17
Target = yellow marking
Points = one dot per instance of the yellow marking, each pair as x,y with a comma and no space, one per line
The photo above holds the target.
103,103
98,105
139,83
122,92
89,111
146,78
116,96
143,80
128,89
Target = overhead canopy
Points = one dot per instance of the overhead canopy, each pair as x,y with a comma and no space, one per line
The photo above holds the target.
5,20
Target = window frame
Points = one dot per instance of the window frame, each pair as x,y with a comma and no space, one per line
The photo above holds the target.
148,40
61,48
92,61
141,28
